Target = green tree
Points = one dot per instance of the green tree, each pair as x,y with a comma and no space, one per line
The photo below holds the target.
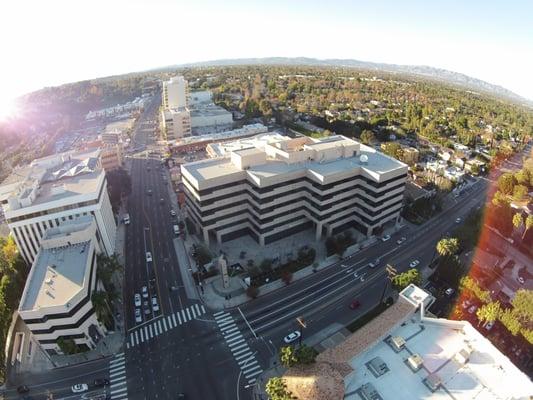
393,149
306,354
489,312
367,137
67,346
287,356
401,281
276,388
510,321
447,247
518,221
202,255
506,183
102,309
528,225
523,305
519,193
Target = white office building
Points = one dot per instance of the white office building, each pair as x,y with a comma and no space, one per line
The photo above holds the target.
53,190
175,93
56,302
271,186
176,123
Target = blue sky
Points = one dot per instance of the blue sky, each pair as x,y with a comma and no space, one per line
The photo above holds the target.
57,41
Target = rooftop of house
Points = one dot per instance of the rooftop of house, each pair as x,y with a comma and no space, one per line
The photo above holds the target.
267,156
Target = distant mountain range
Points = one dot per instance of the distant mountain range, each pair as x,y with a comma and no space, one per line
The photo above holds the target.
437,74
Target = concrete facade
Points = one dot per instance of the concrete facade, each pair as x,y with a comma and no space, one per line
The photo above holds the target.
276,186
175,93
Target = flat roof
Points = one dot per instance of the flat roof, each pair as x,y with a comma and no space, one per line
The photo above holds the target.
442,345
57,275
210,110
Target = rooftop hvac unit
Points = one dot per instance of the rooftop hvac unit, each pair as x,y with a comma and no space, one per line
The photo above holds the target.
415,362
398,343
433,382
363,159
462,356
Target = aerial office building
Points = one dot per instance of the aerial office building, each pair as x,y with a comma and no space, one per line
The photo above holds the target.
53,190
175,93
271,186
56,302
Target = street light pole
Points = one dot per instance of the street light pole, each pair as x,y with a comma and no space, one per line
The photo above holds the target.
303,325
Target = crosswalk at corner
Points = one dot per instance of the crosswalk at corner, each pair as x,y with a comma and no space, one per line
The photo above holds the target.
236,342
117,378
162,324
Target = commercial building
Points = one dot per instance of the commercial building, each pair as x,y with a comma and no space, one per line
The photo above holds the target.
53,190
210,118
271,186
410,155
56,302
175,93
176,123
406,353
111,155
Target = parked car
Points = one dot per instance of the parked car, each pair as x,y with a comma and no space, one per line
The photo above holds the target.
173,213
126,219
414,263
161,200
146,307
355,304
149,192
80,388
385,238
144,291
291,337
449,292
521,280
23,389
401,240
374,263
472,309
138,316
458,220
489,325
155,306
148,256
137,299
101,382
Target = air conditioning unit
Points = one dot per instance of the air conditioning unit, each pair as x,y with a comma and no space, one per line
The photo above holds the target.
398,343
415,362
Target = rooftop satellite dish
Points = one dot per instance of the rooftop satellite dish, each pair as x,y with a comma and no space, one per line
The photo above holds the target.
363,159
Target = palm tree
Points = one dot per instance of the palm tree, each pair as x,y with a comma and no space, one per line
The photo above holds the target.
518,221
447,247
101,307
529,225
489,312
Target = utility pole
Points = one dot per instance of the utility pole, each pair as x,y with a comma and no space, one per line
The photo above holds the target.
303,325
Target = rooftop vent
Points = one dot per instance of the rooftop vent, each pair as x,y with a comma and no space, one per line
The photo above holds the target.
463,355
363,159
369,392
433,382
48,281
415,362
377,366
398,343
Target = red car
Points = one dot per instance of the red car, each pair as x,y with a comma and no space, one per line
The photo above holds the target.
354,304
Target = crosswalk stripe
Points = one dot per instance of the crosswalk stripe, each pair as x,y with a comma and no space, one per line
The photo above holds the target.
247,371
116,361
151,332
234,349
145,329
222,316
118,391
227,328
228,331
228,318
188,313
137,337
114,385
255,373
160,326
119,355
234,339
118,365
233,344
141,335
225,323
128,345
245,356
197,309
119,373
247,361
231,335
156,329
131,339
119,396
251,381
179,318
219,313
203,309
193,313
184,316
174,320
165,324
240,351
169,321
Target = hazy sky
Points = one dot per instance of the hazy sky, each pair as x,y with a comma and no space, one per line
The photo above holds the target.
51,42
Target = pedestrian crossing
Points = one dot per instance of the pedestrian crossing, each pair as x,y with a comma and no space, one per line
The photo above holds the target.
242,353
117,378
162,324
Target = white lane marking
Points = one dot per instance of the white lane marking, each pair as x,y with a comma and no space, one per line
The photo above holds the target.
184,316
188,314
242,350
243,355
165,325
232,335
228,318
197,309
203,309
179,318
236,343
142,336
193,313
218,313
227,331
255,373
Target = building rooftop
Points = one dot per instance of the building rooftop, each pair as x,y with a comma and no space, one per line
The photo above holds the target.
207,110
52,178
274,154
246,130
59,272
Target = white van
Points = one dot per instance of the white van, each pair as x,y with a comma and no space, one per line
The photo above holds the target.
126,219
176,230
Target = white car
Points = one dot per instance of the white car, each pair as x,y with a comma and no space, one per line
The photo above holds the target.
291,337
414,263
80,388
137,298
374,263
173,213
458,220
144,291
489,325
138,316
449,292
385,238
155,306
472,309
401,240
148,256
521,280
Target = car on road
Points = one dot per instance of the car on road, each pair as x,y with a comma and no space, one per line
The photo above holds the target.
149,192
148,256
521,280
161,200
458,220
155,306
101,382
401,240
385,238
23,389
291,337
173,213
80,388
126,219
146,307
449,292
472,309
414,263
144,291
355,304
374,263
489,325
138,316
137,299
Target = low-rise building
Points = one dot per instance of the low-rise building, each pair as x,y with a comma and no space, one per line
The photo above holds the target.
271,186
176,123
410,155
210,118
56,302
